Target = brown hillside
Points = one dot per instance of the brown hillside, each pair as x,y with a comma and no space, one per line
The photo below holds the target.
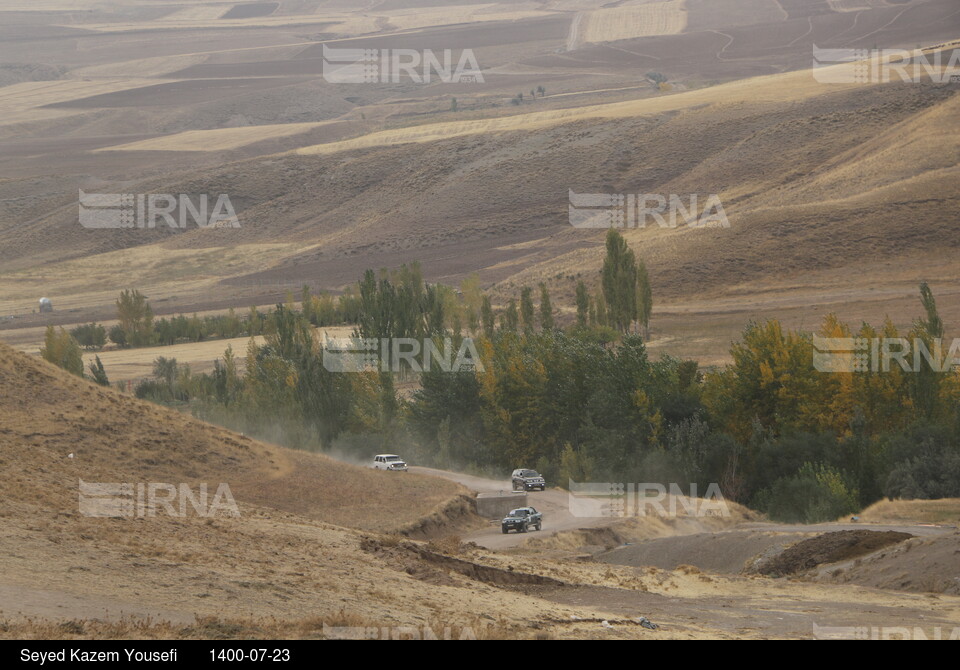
45,415
266,565
459,204
271,573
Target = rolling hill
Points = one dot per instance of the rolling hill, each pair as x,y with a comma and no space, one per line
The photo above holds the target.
819,181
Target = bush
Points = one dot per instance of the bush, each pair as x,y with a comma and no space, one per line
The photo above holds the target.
935,474
148,389
816,493
118,336
90,336
63,351
98,373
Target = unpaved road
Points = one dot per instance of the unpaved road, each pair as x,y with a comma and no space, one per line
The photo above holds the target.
552,502
557,517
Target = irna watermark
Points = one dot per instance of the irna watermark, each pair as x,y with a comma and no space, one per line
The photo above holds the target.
147,210
142,500
391,66
885,633
617,210
395,354
882,354
879,66
396,633
608,499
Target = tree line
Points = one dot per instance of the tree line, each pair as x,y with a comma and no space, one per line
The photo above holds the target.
579,399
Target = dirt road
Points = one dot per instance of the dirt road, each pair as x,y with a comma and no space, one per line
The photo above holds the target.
552,502
557,517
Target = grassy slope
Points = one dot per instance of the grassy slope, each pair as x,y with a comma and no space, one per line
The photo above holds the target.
48,414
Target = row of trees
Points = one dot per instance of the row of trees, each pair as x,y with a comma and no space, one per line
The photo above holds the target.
399,304
586,403
137,326
770,429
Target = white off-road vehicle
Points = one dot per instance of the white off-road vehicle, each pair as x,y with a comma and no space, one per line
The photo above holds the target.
390,462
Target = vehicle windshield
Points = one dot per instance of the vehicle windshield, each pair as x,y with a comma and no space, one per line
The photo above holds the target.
529,473
393,458
518,512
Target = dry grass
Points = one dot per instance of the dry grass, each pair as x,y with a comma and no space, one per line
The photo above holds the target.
318,487
169,272
945,511
124,364
912,154
157,66
173,23
792,86
198,13
220,139
636,20
266,563
283,575
22,102
339,625
129,440
45,6
348,22
429,17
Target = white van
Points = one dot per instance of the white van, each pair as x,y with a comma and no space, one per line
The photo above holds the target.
389,462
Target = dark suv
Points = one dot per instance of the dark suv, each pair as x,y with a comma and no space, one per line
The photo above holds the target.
522,520
528,480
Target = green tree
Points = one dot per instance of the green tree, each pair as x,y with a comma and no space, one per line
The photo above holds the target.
927,332
815,494
226,380
601,309
546,309
472,294
510,319
527,310
619,282
62,350
118,336
165,372
254,322
644,298
306,304
325,396
90,336
574,465
486,316
98,373
583,305
135,317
